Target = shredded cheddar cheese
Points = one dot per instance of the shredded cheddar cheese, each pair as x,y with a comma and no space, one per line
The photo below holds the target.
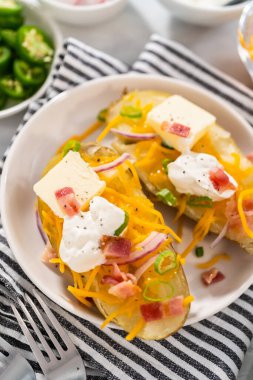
188,300
60,262
243,194
182,206
109,126
126,306
213,261
200,230
91,278
136,329
89,131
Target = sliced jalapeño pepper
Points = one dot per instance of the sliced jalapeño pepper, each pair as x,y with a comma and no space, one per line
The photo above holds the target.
154,288
9,38
165,163
10,8
123,225
34,45
204,202
166,261
131,112
5,59
73,145
11,22
3,100
199,251
102,115
13,88
167,197
27,74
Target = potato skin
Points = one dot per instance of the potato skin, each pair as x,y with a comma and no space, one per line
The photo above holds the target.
152,330
223,143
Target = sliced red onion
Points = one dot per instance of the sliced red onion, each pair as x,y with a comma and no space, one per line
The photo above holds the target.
144,267
220,236
149,245
134,136
39,226
113,164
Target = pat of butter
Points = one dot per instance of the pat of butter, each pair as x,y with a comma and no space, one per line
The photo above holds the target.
177,109
71,171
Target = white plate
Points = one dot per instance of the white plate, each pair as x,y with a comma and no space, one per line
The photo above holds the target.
70,113
34,15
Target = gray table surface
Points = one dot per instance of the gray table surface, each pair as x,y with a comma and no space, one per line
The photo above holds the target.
140,19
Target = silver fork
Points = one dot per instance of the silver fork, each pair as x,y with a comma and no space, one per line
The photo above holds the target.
14,366
68,365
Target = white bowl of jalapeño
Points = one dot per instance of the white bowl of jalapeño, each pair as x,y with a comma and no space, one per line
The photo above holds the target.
29,41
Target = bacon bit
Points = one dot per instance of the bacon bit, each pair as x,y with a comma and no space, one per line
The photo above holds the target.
115,246
152,311
48,253
250,157
124,289
220,180
67,201
110,280
117,276
176,306
176,129
234,220
211,276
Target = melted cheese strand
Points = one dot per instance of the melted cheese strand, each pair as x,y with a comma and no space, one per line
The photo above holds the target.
213,261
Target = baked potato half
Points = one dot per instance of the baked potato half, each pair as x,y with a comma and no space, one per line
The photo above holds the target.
151,157
143,289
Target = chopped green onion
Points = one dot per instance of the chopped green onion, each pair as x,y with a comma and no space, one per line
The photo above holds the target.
167,197
102,115
131,112
123,225
71,145
166,261
165,145
199,251
205,202
165,163
153,288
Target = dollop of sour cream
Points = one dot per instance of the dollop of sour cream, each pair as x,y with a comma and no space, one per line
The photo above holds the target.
81,234
190,174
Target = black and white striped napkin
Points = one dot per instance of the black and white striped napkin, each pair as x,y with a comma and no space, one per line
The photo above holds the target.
212,349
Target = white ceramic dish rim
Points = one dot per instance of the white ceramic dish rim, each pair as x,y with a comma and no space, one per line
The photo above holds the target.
57,36
212,8
82,8
122,78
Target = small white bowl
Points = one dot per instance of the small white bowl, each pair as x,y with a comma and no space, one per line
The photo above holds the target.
83,14
246,30
203,15
34,15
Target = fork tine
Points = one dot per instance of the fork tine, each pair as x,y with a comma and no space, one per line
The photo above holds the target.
66,339
45,325
35,348
37,331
